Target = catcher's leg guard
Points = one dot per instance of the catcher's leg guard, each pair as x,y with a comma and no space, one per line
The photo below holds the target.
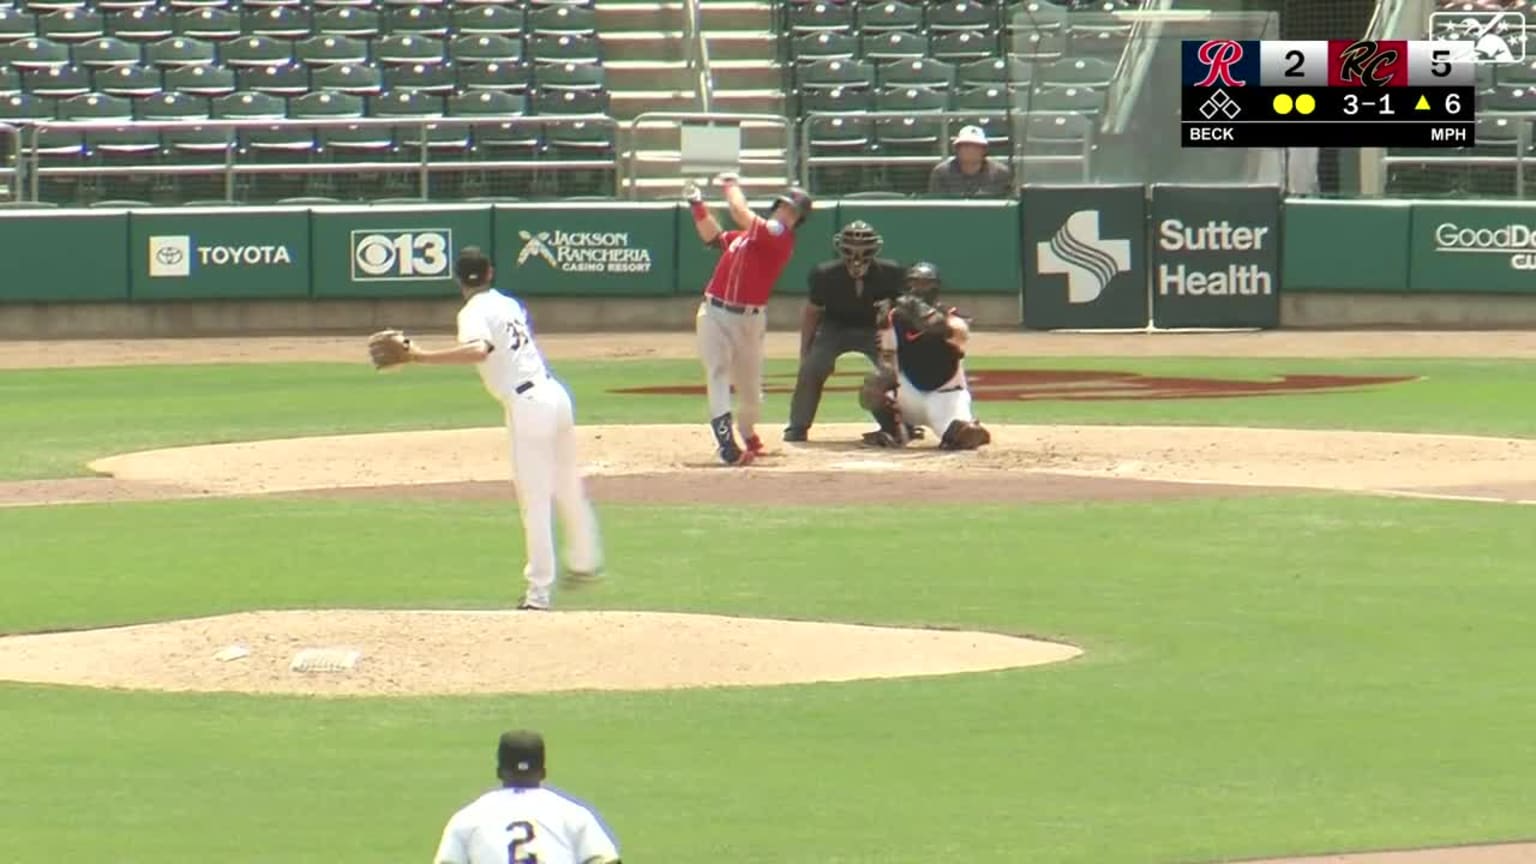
965,435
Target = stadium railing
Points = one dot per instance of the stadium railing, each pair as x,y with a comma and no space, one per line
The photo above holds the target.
629,131
34,164
10,169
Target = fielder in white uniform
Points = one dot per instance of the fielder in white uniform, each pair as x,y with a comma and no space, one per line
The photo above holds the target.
496,336
525,822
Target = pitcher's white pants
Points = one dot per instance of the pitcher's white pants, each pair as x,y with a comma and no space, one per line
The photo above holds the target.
731,348
543,430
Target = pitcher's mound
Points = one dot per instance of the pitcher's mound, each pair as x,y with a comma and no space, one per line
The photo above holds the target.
440,653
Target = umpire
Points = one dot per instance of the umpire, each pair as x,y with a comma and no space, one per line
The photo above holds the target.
839,316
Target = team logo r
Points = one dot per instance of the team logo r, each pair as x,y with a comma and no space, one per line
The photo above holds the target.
1088,261
1219,56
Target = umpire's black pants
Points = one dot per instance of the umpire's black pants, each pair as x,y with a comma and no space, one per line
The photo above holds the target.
831,342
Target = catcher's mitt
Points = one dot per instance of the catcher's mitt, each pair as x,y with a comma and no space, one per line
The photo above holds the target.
878,392
918,314
389,348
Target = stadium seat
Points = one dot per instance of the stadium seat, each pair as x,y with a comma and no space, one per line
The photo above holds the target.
570,102
1055,135
437,78
72,25
489,19
564,49
911,100
255,51
35,53
104,52
146,24
179,51
416,105
1099,34
820,18
208,79
197,4
406,48
22,107
1497,136
1513,74
570,76
485,48
502,140
16,24
985,98
133,81
171,106
486,103
417,18
889,16
931,74
360,23
285,79
827,74
1039,16
255,4
963,46
331,51
1091,72
1037,46
495,77
248,106
124,140
840,100
825,45
327,106
893,45
10,81
1079,100
57,82
343,143
338,4
562,21
279,22
358,79
1513,99
215,25
582,139
963,16
849,135
1009,72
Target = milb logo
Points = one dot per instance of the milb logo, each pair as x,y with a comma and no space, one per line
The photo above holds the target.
400,255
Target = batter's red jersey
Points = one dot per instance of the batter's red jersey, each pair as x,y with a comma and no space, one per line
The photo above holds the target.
751,262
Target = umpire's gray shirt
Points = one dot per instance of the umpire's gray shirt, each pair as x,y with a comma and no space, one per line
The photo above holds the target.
948,181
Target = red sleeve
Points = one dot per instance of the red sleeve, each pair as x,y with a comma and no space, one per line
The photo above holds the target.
725,238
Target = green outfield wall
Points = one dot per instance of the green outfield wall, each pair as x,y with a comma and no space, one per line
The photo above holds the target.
1069,257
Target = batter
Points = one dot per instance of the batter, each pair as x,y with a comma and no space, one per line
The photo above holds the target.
732,318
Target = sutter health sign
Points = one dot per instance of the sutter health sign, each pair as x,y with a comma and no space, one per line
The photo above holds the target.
1216,256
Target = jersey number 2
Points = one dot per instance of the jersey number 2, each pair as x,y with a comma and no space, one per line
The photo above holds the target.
521,834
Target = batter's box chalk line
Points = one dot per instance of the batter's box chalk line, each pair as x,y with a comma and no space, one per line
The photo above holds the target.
326,660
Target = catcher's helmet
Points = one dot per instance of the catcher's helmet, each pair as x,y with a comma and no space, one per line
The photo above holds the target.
923,280
797,198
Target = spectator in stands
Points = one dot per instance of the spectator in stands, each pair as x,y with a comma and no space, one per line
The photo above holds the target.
969,173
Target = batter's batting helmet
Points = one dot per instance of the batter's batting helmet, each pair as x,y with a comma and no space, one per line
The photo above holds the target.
923,280
797,198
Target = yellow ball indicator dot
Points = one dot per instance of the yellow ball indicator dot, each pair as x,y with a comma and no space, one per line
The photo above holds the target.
1282,103
1305,104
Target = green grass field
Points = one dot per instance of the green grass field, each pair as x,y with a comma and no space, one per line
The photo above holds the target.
1261,677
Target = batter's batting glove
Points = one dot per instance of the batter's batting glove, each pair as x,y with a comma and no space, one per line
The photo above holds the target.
692,193
727,178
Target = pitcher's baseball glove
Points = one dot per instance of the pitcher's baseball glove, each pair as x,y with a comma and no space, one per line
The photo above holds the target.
389,348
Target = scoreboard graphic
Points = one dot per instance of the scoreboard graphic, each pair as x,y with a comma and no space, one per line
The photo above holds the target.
1328,94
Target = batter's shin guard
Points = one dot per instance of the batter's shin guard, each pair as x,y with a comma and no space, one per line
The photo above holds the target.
725,433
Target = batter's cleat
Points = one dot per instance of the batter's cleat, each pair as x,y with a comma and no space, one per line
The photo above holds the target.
737,457
754,445
794,435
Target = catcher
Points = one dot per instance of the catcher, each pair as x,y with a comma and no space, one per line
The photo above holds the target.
920,376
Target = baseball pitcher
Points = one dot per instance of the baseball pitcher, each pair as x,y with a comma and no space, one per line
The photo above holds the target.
920,378
525,821
732,318
496,337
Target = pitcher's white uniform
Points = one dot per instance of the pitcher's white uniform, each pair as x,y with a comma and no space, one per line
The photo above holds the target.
542,425
526,826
